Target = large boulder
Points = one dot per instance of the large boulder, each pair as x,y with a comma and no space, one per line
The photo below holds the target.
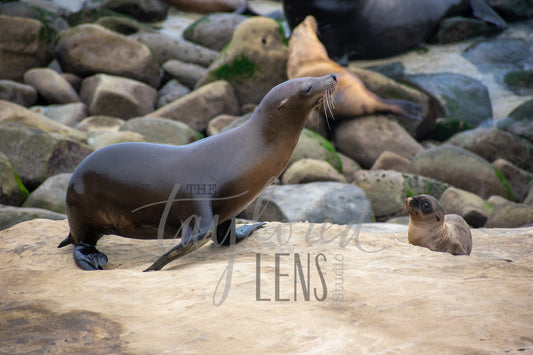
311,170
51,86
51,194
214,30
67,114
468,205
10,215
12,192
312,145
162,130
18,93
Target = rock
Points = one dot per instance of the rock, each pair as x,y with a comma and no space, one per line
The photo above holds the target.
100,124
349,167
244,64
387,88
495,200
520,121
170,92
388,189
314,146
462,97
51,15
236,122
186,73
123,25
510,215
51,194
37,155
20,94
467,205
456,29
68,114
51,86
12,192
459,168
116,96
512,10
23,45
166,48
519,180
316,202
103,139
529,198
217,124
91,16
197,108
364,139
10,216
520,81
10,112
214,30
162,130
142,10
446,127
209,6
394,70
492,144
414,283
500,54
391,161
91,49
319,123
73,80
310,170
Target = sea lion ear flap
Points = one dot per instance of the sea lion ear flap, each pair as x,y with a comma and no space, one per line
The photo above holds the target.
282,103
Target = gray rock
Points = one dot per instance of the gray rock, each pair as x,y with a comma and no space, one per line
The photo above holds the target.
68,114
236,122
20,94
99,140
510,215
391,161
115,96
165,48
492,144
91,49
314,146
100,124
12,192
529,198
198,107
316,202
214,30
50,14
37,155
123,25
499,54
349,167
519,180
244,63
142,10
461,97
51,194
22,46
73,79
470,206
9,216
364,139
170,92
520,81
520,121
217,124
460,168
51,86
512,10
311,170
162,130
186,73
455,29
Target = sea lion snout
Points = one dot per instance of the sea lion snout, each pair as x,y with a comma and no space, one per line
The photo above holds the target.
333,76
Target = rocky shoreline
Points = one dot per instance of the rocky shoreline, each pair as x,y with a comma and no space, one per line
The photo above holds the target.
73,81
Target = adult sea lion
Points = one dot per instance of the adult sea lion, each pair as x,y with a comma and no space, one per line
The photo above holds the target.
149,191
380,28
308,57
430,228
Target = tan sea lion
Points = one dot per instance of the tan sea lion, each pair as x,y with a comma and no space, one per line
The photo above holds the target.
150,191
430,228
308,57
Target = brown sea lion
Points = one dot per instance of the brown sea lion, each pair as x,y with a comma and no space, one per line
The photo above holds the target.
308,57
430,228
149,191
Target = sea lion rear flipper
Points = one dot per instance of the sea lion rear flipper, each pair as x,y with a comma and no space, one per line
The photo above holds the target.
87,257
227,234
405,108
65,242
483,11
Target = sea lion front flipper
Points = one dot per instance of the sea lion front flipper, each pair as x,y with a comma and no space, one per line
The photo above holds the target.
87,257
482,11
227,233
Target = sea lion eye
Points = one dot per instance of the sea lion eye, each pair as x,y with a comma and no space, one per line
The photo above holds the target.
308,88
426,206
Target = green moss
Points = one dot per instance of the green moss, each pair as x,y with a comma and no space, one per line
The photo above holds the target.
519,78
508,190
282,33
409,191
23,190
333,159
240,67
192,27
91,15
447,127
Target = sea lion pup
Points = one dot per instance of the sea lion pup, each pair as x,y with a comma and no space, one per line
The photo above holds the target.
308,57
150,191
430,228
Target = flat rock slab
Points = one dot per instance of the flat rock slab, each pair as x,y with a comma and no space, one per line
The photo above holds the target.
383,294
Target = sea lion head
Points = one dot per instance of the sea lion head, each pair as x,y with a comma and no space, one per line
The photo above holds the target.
424,209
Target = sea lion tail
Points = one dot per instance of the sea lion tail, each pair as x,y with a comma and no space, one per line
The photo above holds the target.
405,108
65,242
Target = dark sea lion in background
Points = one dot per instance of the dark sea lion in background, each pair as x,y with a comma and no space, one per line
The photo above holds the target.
150,191
430,228
308,57
368,29
209,6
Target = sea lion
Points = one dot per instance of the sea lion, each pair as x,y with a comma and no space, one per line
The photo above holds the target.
430,228
308,57
149,191
368,29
